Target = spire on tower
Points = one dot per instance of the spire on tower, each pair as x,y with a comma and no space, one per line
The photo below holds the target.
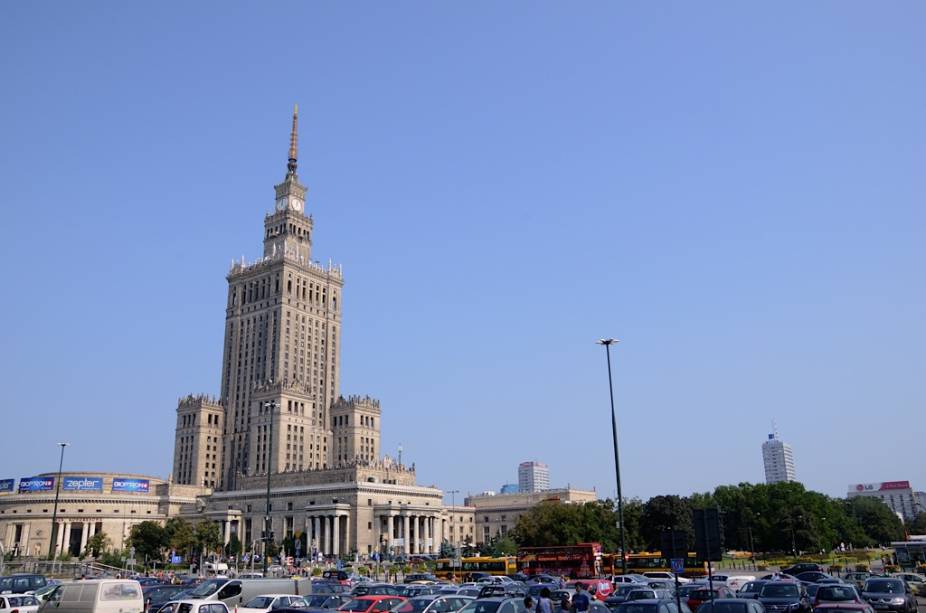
293,137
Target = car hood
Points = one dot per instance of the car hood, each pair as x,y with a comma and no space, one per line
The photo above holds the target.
779,600
881,596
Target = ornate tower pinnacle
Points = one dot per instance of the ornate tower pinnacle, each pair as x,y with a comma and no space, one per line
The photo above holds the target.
293,138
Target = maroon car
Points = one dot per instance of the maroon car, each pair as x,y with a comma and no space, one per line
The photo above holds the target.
701,595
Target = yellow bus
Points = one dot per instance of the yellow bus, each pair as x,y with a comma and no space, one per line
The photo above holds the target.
652,561
445,567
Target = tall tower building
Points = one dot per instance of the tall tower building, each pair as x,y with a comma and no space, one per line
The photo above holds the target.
778,460
281,361
533,477
355,430
198,441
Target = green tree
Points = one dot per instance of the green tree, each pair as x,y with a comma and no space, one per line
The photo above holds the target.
148,538
880,524
553,523
181,536
97,544
208,537
918,525
661,513
233,548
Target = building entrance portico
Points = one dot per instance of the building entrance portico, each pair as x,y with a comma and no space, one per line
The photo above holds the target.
407,529
327,529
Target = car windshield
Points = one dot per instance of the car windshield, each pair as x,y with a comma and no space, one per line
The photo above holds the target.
623,590
779,590
885,586
701,594
260,602
481,606
836,593
357,605
206,588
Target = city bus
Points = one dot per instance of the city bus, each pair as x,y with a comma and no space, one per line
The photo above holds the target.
651,561
445,567
581,561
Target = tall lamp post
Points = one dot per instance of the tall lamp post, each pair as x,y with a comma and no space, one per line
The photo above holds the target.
267,525
53,541
607,342
453,506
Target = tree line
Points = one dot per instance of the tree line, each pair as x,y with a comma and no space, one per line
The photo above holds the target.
779,517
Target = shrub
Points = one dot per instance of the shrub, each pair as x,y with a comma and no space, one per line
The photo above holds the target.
861,568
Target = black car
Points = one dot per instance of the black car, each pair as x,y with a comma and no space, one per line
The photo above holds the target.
889,594
784,597
620,594
412,577
495,605
750,589
20,584
811,576
155,596
519,577
731,605
373,589
655,605
802,567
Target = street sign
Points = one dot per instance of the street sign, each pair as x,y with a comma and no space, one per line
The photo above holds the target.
678,566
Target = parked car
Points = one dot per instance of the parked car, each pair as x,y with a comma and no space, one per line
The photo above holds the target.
732,605
269,602
628,578
844,607
495,605
889,594
340,576
750,589
802,567
375,589
156,596
648,593
784,597
25,603
664,605
857,578
432,604
658,574
414,577
916,581
836,593
811,576
21,583
371,604
322,603
95,596
193,606
703,594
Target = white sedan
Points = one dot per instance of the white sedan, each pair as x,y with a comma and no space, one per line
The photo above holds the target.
24,603
269,602
193,606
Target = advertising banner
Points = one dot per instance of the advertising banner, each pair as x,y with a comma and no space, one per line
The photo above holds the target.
139,486
36,484
6,485
895,485
82,484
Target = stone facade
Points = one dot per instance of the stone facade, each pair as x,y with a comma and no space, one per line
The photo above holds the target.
198,441
25,518
496,514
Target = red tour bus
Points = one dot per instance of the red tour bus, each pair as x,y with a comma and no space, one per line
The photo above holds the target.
582,561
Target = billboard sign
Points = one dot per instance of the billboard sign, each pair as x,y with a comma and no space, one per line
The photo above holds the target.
82,484
138,486
36,484
895,485
6,485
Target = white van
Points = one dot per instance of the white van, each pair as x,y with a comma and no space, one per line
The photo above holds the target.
96,596
236,592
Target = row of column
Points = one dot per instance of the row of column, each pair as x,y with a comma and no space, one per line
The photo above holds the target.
87,530
323,532
412,533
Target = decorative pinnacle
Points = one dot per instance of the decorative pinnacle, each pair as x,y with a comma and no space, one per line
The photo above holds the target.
293,138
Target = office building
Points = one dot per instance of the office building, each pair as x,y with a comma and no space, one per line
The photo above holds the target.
533,477
778,460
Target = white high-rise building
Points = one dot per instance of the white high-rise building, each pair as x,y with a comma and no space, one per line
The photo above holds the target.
778,460
533,477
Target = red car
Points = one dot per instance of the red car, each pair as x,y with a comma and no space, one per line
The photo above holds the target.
371,604
701,595
596,588
836,593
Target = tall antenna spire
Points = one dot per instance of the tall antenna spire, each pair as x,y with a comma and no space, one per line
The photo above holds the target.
293,138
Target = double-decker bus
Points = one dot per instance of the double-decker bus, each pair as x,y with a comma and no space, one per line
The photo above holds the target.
445,567
650,561
582,561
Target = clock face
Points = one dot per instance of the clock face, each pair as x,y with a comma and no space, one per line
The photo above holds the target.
296,204
281,204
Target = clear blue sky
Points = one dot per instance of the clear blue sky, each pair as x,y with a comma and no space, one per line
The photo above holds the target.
734,189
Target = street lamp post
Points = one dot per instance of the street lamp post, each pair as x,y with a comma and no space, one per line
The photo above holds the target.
267,538
453,506
607,342
54,512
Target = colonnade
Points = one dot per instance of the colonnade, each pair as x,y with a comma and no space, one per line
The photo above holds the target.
326,534
63,542
409,532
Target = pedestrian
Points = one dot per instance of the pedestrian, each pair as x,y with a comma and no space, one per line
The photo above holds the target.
580,601
564,604
544,604
529,604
